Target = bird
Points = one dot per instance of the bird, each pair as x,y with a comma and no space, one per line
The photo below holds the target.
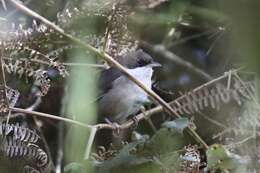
119,96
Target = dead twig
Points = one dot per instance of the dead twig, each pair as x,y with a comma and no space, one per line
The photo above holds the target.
161,50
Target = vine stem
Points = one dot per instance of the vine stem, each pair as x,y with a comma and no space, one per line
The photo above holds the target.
156,98
164,52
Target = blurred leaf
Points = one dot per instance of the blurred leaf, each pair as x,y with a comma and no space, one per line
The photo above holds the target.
220,158
143,155
179,124
171,161
79,167
73,167
165,141
125,158
2,19
78,104
142,168
168,16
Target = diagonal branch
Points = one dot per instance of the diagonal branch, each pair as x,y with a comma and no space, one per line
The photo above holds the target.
161,50
111,61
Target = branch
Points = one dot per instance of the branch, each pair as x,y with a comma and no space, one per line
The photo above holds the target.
161,50
111,62
40,114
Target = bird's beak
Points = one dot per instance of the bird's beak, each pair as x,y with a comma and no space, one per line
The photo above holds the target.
155,64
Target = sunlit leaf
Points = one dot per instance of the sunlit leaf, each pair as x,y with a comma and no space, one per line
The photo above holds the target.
179,124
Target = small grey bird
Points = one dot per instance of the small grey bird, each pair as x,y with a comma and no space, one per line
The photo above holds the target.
120,96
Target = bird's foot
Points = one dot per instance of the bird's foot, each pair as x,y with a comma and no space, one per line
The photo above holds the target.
135,122
116,127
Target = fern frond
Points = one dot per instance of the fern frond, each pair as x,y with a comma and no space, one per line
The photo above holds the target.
18,37
4,107
15,149
211,96
18,132
29,169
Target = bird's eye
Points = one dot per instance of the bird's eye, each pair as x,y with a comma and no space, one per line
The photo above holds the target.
140,62
143,62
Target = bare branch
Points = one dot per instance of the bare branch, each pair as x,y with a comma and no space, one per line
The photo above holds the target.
161,50
40,114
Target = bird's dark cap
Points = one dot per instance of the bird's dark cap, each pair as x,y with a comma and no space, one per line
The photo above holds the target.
138,58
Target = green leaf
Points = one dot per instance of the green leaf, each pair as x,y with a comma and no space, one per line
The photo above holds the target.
220,158
86,166
165,141
179,124
74,168
143,168
78,105
144,155
171,161
125,159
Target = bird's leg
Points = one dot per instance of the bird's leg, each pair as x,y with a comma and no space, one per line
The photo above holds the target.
135,122
148,119
116,127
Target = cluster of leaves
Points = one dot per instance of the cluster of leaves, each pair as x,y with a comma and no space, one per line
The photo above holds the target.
168,150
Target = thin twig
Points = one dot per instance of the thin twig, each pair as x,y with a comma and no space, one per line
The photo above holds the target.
237,144
62,63
90,142
40,114
161,50
15,11
4,5
213,121
148,119
36,104
111,62
84,64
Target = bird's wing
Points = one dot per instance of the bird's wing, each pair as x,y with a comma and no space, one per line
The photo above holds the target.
106,79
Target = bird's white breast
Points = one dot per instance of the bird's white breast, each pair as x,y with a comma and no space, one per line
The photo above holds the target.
143,74
127,95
